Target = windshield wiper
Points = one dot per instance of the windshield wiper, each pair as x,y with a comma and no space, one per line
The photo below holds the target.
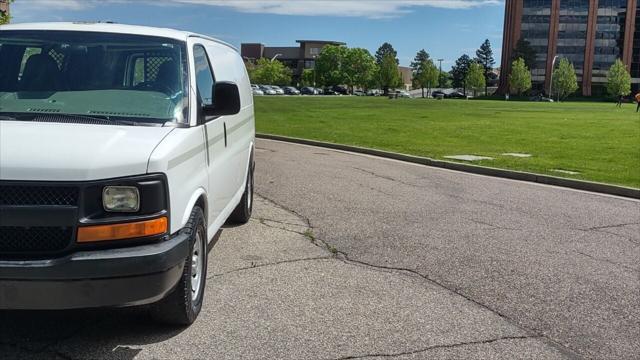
58,117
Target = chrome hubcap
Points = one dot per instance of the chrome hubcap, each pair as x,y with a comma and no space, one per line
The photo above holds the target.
197,263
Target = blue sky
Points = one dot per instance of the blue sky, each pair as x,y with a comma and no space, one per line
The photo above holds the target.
445,28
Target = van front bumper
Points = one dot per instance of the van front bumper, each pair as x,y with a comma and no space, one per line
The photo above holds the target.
100,278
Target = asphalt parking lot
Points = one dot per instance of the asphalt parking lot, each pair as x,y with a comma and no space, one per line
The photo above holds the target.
348,256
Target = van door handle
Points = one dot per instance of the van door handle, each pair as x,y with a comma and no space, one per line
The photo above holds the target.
225,133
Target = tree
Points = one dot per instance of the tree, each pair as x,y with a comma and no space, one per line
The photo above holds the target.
359,67
523,50
444,79
384,50
330,65
418,67
426,75
421,57
308,77
4,16
270,72
618,80
388,73
565,81
459,72
475,77
520,78
484,56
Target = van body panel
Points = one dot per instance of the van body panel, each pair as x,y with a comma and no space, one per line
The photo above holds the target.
181,156
74,152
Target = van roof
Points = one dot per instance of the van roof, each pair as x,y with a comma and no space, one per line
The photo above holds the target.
108,27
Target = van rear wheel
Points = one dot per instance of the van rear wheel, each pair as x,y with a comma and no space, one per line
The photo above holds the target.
242,213
183,304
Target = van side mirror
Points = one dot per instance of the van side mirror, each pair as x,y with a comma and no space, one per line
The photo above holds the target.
226,99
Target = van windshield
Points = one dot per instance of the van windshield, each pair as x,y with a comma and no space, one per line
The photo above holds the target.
94,76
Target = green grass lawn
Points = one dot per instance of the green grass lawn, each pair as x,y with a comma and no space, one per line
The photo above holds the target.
597,140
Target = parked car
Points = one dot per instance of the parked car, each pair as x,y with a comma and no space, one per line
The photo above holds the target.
540,98
308,90
277,89
255,89
330,91
438,94
359,93
403,94
118,190
456,95
319,91
340,89
290,90
374,92
267,90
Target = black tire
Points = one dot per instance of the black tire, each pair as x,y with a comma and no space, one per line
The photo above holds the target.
180,307
242,213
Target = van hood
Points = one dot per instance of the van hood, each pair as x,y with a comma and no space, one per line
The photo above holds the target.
75,152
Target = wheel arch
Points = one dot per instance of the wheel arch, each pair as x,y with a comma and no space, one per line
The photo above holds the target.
198,198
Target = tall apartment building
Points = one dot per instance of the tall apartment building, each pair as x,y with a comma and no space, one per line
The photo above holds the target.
591,34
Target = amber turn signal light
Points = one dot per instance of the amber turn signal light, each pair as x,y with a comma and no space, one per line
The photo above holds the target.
122,231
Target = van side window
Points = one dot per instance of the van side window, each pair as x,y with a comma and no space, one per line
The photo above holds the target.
147,67
204,76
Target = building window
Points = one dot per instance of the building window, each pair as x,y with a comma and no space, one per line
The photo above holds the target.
609,35
314,51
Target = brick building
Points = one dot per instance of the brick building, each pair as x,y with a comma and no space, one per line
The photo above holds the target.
591,34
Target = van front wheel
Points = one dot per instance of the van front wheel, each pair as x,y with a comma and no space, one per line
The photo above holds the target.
183,304
242,213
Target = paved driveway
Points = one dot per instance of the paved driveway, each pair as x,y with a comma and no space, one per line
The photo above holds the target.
349,256
558,263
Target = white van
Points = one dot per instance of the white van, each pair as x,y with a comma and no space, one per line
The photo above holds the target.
123,150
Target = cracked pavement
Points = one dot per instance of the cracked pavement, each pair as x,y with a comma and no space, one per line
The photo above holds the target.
560,264
274,291
353,257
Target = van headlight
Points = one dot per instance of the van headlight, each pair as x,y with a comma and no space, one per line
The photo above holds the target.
121,199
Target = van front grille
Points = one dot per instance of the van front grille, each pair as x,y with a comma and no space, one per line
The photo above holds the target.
34,195
17,240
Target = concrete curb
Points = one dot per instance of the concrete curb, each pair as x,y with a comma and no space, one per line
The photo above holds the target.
509,174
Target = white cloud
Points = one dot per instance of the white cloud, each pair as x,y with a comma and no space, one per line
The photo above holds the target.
375,9
350,8
45,5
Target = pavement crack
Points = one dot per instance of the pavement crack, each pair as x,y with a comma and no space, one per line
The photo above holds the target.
433,347
262,220
269,264
532,332
372,173
607,261
343,256
491,225
609,226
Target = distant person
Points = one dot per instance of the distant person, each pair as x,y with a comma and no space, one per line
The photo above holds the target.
620,98
638,101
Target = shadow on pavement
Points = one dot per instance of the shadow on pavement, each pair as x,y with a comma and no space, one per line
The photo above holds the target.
101,333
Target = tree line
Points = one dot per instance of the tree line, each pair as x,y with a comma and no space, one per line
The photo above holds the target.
358,68
337,65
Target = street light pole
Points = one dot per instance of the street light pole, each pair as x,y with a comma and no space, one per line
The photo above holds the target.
553,65
440,73
314,71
